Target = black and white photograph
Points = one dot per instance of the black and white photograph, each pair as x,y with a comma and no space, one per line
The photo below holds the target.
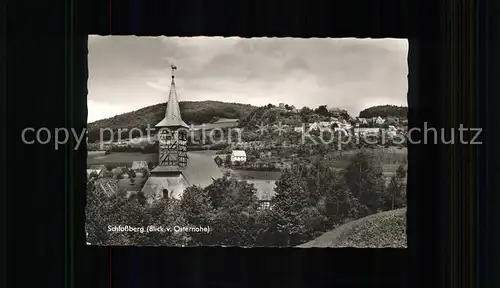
247,142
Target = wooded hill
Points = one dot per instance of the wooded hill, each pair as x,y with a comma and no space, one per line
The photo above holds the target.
385,111
193,112
250,117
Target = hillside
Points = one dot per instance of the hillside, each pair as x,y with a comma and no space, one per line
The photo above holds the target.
192,113
272,115
384,111
381,230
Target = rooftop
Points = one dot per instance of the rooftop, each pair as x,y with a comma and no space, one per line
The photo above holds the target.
139,165
239,153
97,167
174,184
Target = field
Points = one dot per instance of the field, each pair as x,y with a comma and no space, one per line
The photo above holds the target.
118,158
390,156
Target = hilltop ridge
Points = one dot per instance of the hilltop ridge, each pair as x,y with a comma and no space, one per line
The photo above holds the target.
193,112
249,116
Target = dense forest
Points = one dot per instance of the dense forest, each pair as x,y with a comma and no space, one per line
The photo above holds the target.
384,111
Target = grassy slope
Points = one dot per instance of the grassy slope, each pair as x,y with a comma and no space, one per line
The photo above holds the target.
385,229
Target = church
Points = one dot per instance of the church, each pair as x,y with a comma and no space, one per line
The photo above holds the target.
175,170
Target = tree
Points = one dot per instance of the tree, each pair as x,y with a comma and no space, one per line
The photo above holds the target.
401,172
384,111
295,218
364,179
305,114
198,212
340,205
100,213
230,193
107,174
322,110
168,213
235,210
394,197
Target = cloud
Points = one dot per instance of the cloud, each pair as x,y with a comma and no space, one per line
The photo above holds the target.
348,73
98,110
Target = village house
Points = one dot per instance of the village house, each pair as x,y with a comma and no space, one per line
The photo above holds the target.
324,124
97,169
362,120
392,120
238,156
378,120
366,131
298,129
219,161
314,126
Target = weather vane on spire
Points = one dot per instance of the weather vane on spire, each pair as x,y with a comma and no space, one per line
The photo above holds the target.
173,69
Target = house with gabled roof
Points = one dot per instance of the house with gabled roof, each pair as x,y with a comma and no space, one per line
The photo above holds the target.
97,169
238,156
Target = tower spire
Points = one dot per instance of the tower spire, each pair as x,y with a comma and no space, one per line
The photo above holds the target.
173,112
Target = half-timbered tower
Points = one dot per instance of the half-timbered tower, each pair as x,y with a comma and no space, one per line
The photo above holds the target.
168,179
172,133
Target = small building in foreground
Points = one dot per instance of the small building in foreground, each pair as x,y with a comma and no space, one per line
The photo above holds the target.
238,156
97,169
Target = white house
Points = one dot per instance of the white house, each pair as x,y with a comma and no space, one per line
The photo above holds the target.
238,156
314,126
98,169
379,120
366,131
298,129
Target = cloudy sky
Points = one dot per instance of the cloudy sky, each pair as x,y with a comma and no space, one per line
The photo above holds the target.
127,73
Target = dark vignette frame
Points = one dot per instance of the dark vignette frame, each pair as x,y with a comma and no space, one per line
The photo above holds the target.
54,214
